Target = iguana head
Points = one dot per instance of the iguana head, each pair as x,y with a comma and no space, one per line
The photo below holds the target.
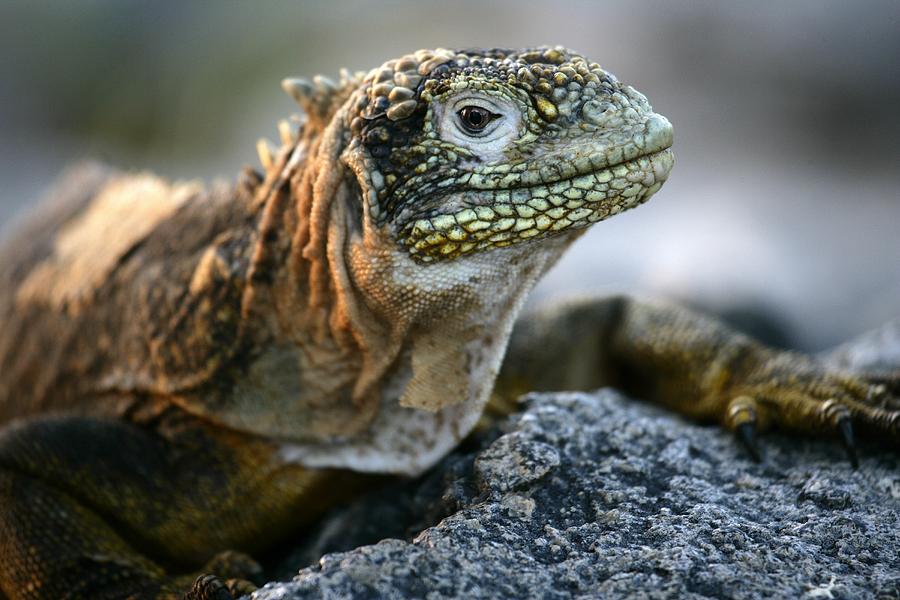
434,191
465,151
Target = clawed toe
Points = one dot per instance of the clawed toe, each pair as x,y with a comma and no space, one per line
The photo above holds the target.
742,417
208,587
746,433
818,403
845,427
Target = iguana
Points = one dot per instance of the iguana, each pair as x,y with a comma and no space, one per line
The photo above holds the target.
190,374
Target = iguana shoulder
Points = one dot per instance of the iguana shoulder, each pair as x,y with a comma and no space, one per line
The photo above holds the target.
115,275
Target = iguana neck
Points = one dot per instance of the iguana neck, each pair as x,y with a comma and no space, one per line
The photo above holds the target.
349,299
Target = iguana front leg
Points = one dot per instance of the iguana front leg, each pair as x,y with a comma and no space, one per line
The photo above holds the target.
696,366
105,509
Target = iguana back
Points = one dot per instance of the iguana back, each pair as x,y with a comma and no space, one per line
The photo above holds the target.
111,273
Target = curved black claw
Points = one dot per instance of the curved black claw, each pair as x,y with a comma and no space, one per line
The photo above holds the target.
845,427
746,433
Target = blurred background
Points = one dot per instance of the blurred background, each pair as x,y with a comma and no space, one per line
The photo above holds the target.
783,210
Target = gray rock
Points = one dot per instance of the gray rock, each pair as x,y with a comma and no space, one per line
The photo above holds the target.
597,496
876,353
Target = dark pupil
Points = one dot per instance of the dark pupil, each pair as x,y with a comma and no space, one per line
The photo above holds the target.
474,117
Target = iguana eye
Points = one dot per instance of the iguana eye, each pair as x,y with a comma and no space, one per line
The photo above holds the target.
483,124
475,118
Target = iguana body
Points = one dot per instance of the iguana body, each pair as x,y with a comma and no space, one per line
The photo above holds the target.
187,371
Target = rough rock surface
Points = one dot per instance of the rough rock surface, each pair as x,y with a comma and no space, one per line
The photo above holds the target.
594,495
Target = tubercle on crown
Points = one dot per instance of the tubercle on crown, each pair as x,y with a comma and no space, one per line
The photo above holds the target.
555,78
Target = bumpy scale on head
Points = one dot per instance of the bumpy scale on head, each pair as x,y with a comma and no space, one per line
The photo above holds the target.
470,150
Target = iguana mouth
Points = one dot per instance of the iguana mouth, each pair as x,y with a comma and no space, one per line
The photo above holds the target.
524,213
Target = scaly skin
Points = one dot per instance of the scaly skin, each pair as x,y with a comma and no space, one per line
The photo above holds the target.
189,374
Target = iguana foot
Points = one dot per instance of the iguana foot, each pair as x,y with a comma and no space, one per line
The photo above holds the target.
210,587
228,575
793,392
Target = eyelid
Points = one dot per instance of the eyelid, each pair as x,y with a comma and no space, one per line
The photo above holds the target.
461,102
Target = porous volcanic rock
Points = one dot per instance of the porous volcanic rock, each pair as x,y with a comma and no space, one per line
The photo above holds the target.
598,496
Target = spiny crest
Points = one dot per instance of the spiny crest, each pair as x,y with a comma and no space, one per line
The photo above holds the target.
320,97
288,134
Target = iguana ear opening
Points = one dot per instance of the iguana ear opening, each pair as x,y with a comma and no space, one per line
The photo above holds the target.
367,180
355,212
